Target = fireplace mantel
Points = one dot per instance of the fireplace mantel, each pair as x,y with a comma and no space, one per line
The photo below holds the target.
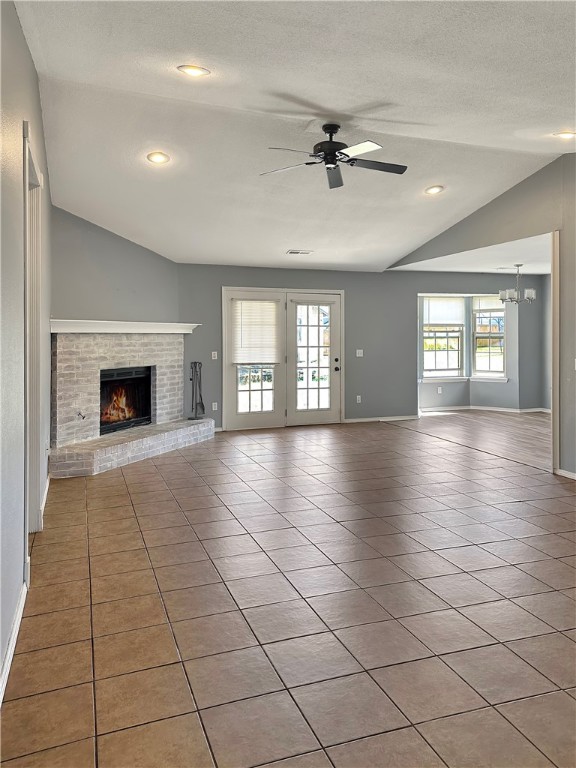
119,326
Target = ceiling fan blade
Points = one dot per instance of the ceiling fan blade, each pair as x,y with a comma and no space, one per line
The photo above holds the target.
359,149
285,149
288,167
334,177
374,165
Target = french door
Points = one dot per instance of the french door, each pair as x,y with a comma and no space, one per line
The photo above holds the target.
282,358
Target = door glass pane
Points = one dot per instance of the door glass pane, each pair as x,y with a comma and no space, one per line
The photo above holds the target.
243,402
267,378
254,389
313,372
243,377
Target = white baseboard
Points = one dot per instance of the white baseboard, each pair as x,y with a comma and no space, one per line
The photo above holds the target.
399,418
445,408
564,473
7,661
378,418
483,408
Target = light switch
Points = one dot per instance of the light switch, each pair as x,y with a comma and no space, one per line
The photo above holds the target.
358,398
359,353
214,355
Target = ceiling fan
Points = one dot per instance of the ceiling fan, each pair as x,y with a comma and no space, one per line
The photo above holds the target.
330,153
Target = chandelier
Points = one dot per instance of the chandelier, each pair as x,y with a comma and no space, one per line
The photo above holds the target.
513,294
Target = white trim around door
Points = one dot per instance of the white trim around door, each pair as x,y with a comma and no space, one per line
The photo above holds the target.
237,377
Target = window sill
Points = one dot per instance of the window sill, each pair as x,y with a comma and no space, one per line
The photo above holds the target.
442,379
459,379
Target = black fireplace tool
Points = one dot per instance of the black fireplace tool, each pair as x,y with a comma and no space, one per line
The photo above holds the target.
198,409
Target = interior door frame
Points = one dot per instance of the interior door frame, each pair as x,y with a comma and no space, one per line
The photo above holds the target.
225,351
33,184
555,309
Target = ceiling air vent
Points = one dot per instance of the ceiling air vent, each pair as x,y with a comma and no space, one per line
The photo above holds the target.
298,252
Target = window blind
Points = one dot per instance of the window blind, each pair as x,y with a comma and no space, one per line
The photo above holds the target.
255,331
443,310
487,302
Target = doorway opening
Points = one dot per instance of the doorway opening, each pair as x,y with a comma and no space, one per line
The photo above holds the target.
485,366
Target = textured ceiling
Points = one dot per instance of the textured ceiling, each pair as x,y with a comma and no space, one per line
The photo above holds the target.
534,253
465,94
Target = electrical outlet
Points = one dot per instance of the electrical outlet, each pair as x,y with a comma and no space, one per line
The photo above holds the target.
214,406
214,355
439,390
359,353
358,398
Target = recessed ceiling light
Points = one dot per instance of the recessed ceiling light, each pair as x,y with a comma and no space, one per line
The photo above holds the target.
158,158
193,70
435,190
565,135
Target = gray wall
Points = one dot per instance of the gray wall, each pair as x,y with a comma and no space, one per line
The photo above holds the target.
20,101
380,317
455,394
544,202
98,275
380,312
567,410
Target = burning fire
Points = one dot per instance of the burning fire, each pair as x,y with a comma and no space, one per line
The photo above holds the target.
118,410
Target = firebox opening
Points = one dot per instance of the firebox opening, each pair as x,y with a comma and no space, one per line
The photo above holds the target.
125,398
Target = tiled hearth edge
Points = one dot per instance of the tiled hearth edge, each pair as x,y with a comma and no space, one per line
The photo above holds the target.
121,448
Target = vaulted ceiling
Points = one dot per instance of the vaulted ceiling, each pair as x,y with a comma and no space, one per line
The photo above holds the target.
467,95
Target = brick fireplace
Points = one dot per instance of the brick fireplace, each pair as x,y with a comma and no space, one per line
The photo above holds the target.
88,357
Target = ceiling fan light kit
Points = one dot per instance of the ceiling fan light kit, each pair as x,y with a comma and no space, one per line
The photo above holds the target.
332,154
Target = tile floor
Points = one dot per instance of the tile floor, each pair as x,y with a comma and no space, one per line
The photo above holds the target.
348,596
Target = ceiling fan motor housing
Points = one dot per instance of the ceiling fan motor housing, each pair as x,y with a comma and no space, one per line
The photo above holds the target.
329,149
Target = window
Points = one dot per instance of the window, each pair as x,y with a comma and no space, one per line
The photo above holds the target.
462,336
255,388
488,322
443,336
255,350
443,351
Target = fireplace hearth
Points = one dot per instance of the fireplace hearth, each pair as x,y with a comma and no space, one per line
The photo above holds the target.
125,398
